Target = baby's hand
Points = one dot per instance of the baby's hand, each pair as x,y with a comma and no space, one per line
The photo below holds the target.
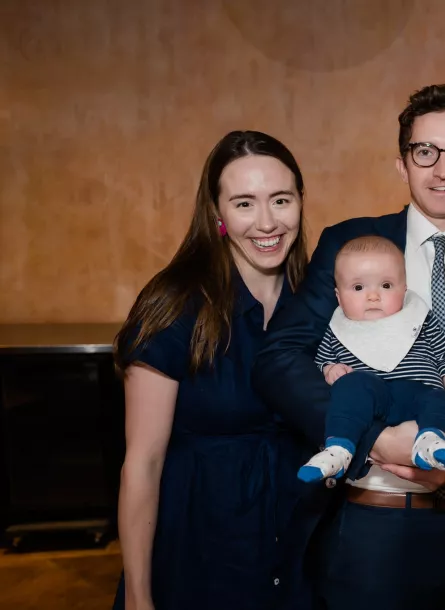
332,372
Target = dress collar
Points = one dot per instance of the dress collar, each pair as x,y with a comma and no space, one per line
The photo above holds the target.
244,299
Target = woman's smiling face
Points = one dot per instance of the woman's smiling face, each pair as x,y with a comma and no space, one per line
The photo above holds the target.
260,206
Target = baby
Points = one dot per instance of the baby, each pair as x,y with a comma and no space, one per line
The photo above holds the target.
384,356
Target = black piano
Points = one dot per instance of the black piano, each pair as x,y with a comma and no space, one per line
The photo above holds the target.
62,429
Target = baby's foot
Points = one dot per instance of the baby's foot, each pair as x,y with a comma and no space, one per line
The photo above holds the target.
332,462
429,449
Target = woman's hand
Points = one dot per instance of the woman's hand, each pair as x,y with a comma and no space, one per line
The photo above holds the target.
145,606
133,604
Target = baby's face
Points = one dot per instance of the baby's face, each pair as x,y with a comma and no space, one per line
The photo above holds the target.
370,285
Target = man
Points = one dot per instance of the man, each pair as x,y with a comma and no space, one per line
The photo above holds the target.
357,572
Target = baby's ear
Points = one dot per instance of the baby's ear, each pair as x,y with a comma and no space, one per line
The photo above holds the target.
336,294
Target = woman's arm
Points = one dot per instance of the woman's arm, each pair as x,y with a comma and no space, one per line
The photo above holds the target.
150,399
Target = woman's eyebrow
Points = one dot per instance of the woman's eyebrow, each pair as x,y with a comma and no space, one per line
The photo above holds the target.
251,196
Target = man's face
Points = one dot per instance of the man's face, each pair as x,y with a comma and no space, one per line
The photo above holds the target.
427,184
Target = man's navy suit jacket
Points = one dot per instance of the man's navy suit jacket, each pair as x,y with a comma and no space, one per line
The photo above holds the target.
284,373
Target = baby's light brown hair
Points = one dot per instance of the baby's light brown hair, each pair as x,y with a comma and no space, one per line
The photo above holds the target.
369,243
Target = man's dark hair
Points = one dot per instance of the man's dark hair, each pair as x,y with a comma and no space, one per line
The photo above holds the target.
426,100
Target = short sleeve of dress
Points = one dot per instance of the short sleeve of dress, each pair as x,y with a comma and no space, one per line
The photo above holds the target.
168,351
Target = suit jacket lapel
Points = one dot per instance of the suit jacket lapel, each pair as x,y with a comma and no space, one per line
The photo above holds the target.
394,227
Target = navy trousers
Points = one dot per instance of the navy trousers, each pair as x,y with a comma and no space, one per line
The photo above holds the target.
376,558
358,398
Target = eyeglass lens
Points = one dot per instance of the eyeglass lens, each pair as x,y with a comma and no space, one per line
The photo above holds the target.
425,154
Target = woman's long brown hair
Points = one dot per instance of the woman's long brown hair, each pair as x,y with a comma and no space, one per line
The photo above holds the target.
202,267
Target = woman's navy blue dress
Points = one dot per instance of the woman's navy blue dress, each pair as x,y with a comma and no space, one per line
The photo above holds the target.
229,485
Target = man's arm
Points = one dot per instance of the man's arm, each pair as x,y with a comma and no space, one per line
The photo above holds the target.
285,373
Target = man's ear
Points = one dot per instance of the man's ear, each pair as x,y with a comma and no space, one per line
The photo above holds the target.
401,168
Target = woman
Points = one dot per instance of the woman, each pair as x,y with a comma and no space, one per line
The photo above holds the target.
206,533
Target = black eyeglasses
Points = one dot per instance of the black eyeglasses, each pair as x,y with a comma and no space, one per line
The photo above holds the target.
425,154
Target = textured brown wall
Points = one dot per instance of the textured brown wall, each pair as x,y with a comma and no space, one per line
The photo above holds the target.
108,109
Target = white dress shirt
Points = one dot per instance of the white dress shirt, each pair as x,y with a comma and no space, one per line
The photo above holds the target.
419,257
419,253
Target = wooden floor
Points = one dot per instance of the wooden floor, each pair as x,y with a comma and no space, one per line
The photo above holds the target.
59,580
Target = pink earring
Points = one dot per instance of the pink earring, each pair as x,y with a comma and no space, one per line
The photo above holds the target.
222,227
